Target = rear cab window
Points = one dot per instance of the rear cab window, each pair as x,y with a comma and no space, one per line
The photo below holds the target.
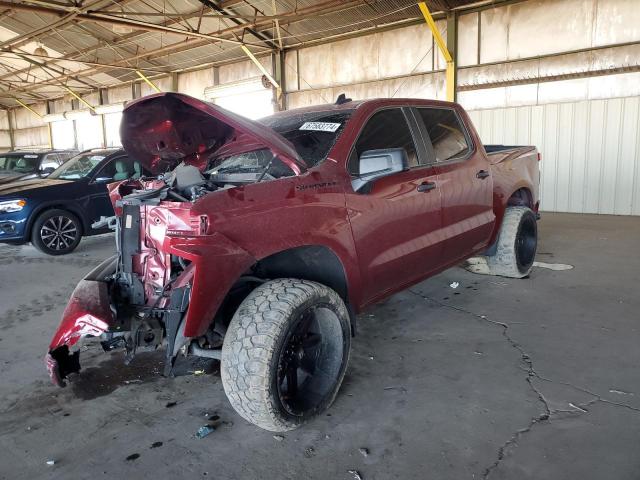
447,134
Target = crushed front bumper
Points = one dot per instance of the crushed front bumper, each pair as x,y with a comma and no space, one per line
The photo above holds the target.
88,313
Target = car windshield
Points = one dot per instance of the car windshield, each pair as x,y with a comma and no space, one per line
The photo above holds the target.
19,163
78,167
312,134
259,162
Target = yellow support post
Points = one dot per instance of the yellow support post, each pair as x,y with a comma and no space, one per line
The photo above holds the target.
147,81
261,67
27,107
442,46
82,100
38,115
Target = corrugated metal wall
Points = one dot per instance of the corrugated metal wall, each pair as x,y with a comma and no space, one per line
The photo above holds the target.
590,151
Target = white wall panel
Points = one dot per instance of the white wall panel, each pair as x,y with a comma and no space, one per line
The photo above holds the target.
194,83
590,151
468,39
242,70
5,140
163,83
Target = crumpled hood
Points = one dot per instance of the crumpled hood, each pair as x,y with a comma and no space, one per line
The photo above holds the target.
164,129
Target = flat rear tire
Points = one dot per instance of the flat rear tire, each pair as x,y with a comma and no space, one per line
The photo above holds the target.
517,244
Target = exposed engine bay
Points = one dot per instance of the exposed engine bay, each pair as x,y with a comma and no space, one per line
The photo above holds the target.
166,247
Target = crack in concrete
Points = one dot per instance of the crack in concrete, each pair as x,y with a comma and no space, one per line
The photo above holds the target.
525,358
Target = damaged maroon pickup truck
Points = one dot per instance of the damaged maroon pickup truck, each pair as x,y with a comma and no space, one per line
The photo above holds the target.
257,243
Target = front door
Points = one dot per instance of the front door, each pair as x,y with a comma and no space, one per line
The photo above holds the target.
115,170
464,179
396,221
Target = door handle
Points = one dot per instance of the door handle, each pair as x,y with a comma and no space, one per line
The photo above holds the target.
482,174
426,186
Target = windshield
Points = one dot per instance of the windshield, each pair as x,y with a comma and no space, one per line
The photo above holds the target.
261,163
312,134
19,163
78,167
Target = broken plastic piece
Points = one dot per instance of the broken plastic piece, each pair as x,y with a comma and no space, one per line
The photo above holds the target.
454,285
204,431
51,462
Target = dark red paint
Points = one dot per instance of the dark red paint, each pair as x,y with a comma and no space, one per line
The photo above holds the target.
386,239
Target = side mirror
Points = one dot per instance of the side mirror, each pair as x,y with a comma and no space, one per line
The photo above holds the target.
375,164
103,180
47,171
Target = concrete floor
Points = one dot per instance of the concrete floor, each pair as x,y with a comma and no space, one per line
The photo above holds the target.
499,378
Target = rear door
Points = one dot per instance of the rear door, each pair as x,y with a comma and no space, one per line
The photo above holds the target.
396,221
464,181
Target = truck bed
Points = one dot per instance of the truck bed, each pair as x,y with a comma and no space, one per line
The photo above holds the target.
500,153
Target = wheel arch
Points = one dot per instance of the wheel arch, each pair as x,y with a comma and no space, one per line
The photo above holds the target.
43,207
522,197
317,263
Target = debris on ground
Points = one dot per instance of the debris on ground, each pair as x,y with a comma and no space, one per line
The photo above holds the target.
204,431
171,404
51,462
279,438
356,474
620,392
156,444
309,452
553,266
454,284
198,372
400,389
364,451
133,456
577,408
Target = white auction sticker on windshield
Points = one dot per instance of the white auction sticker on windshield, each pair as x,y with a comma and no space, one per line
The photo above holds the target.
320,126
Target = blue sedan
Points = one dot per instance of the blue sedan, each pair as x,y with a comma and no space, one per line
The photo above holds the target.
56,212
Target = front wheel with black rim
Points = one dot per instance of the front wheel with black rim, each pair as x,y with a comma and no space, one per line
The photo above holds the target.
56,232
285,353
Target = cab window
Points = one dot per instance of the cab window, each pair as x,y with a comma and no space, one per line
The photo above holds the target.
385,129
446,133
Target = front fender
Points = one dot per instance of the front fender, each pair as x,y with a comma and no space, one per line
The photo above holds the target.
217,264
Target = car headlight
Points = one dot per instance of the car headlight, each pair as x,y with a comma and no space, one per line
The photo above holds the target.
12,206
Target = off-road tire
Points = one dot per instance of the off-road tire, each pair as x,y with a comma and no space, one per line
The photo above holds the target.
69,221
256,338
517,243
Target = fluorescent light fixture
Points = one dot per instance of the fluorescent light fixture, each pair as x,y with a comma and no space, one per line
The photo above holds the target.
78,114
53,117
250,85
111,108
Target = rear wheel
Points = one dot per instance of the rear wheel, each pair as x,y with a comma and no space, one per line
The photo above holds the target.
285,353
56,232
517,244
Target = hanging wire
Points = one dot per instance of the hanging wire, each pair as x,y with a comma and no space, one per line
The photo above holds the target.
406,79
